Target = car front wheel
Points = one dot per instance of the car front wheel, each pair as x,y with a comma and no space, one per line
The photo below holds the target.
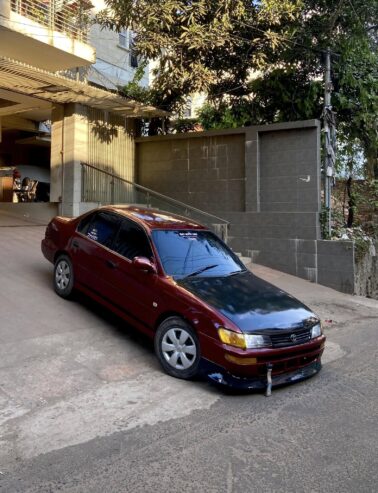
63,276
177,348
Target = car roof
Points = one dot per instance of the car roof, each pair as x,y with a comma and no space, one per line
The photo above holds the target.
155,218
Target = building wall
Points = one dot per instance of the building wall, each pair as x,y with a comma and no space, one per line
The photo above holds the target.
204,172
270,170
83,135
111,148
37,37
265,180
367,272
288,165
112,67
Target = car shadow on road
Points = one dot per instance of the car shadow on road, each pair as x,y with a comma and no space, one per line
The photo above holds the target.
124,331
118,326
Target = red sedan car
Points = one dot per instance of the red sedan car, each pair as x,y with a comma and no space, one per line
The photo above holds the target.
177,282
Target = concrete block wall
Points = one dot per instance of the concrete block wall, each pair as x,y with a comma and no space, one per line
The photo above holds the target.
336,266
206,171
283,167
289,180
265,180
267,239
330,263
366,277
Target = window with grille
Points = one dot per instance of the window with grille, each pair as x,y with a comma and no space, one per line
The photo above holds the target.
123,39
134,62
126,41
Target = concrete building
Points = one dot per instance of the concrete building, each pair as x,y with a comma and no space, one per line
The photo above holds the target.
116,62
50,123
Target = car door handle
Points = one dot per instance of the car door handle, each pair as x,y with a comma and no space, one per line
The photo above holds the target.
75,244
111,264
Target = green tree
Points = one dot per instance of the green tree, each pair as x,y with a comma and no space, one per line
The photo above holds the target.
291,86
356,97
259,61
201,45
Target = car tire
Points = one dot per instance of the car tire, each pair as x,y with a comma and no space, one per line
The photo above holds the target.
177,348
63,277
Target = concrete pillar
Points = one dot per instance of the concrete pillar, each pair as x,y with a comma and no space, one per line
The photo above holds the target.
5,9
69,147
56,164
252,170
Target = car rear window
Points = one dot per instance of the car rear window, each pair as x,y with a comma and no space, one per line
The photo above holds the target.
102,228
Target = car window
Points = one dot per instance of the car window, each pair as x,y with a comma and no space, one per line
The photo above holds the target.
132,241
102,228
84,224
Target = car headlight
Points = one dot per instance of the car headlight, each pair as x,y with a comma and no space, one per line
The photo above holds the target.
243,341
232,338
316,331
257,341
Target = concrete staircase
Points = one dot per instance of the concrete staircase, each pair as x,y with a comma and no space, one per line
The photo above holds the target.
247,261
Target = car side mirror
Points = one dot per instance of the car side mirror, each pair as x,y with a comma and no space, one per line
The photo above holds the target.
144,264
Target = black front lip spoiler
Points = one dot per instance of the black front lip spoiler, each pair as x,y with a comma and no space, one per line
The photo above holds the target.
220,377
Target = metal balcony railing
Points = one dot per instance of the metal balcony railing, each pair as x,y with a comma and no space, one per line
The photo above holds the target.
104,188
69,17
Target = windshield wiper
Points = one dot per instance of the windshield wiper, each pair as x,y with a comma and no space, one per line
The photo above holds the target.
199,271
236,272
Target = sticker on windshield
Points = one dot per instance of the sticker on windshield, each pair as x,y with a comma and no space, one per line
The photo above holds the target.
190,235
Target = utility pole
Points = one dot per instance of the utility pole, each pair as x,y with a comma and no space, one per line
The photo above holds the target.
329,129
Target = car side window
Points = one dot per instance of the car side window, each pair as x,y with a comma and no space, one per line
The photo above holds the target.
132,241
84,224
102,228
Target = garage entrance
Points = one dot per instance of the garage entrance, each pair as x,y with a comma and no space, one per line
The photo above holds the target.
25,148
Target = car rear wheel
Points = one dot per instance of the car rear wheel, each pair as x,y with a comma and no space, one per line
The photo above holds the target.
177,348
63,276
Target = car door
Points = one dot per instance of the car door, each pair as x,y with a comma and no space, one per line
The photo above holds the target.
91,254
135,291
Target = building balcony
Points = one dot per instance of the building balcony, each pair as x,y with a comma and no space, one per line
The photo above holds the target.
47,34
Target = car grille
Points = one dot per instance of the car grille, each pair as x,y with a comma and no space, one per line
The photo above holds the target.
291,338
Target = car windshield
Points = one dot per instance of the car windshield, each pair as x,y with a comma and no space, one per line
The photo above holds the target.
185,253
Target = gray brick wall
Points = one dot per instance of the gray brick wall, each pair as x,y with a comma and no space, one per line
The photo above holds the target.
265,180
206,172
288,171
336,265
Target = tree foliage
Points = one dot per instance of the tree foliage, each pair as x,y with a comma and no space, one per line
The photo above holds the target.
201,45
260,61
291,87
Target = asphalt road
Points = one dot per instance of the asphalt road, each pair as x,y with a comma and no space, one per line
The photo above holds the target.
84,406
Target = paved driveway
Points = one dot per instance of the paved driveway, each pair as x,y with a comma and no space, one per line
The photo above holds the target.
69,370
81,395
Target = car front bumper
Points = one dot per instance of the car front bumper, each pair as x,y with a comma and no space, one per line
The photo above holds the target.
221,377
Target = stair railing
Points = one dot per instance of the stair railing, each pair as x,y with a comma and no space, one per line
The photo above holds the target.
103,188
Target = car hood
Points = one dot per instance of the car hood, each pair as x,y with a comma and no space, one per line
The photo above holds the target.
249,302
